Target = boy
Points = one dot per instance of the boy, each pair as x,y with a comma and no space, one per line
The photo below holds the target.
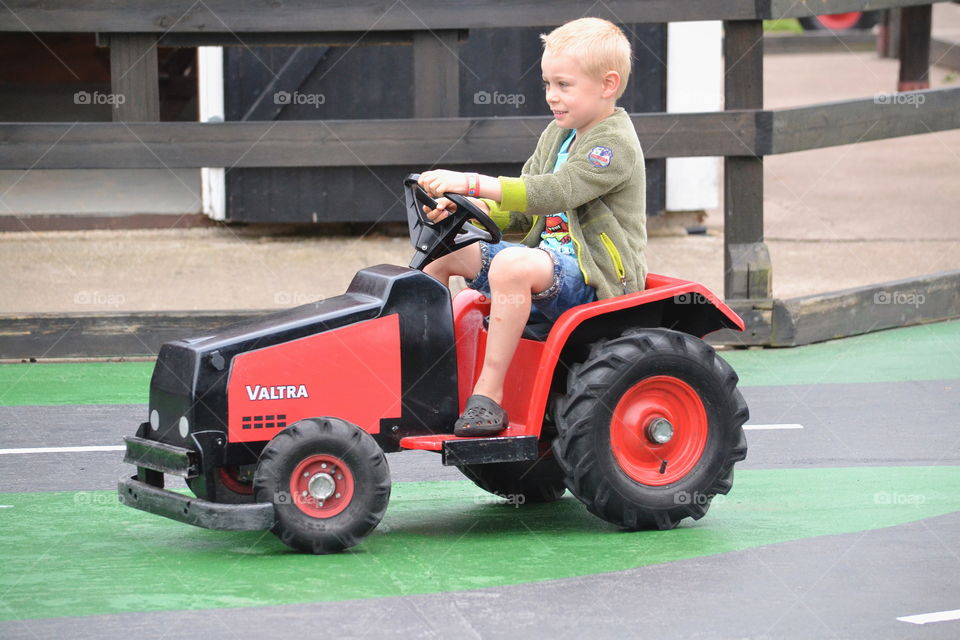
582,196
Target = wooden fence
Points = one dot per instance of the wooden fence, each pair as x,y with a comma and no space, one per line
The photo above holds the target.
743,134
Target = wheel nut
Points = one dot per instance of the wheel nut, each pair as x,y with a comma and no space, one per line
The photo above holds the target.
321,486
659,431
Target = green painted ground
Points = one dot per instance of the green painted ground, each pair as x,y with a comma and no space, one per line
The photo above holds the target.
72,554
928,352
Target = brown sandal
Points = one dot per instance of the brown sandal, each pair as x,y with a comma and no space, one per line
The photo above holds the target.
481,417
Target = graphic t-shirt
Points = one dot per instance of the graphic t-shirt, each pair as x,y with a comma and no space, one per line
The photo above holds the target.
556,235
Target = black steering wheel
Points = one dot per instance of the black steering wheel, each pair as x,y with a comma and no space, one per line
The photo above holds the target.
432,240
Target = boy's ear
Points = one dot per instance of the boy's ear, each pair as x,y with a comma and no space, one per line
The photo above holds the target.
611,83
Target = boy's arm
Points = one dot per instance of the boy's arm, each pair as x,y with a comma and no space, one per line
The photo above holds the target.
586,175
439,181
505,218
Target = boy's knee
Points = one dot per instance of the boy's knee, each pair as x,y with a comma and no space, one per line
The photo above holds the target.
519,264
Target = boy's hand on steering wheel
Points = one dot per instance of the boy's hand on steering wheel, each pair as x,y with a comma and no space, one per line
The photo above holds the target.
446,208
437,182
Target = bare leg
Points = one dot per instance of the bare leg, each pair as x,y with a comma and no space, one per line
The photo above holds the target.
515,273
464,262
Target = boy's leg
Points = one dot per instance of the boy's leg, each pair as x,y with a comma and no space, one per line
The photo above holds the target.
464,262
516,273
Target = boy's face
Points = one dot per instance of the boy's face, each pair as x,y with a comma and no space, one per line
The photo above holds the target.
577,100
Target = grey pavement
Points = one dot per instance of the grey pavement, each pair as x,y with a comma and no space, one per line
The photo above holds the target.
844,425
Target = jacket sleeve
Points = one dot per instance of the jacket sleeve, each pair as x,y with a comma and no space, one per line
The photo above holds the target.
512,220
600,166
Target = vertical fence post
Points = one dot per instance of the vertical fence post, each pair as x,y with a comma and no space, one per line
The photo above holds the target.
436,74
915,48
747,269
134,76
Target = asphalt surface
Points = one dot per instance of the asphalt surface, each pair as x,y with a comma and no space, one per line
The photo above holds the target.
852,584
844,425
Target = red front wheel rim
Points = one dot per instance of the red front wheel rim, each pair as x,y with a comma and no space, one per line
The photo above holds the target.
321,485
840,21
644,407
230,477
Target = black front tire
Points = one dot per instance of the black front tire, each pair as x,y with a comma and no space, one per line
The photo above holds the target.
300,523
595,474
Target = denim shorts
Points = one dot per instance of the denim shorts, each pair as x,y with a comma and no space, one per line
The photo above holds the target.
567,291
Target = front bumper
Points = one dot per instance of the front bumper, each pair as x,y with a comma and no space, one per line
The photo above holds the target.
145,490
201,513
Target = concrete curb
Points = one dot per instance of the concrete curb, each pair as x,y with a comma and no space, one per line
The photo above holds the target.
840,314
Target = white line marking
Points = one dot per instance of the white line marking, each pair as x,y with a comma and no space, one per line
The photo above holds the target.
939,616
64,449
772,426
6,506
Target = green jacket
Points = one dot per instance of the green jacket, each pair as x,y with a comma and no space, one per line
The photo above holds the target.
601,186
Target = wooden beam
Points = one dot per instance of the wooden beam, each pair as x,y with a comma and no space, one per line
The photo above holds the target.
818,42
337,143
777,9
436,74
945,54
915,48
850,312
747,269
884,116
134,78
253,16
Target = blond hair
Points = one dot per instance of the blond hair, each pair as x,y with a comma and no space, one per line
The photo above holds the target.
598,44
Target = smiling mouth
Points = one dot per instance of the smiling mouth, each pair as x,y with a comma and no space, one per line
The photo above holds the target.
560,113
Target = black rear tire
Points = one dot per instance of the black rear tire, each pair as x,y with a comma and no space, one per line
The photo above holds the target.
613,371
540,480
358,473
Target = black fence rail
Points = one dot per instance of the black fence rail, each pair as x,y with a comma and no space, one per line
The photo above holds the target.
743,134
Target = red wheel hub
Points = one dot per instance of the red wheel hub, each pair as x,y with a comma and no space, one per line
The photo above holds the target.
840,21
321,486
230,476
658,430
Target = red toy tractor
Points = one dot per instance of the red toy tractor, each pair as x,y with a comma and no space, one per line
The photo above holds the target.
282,422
